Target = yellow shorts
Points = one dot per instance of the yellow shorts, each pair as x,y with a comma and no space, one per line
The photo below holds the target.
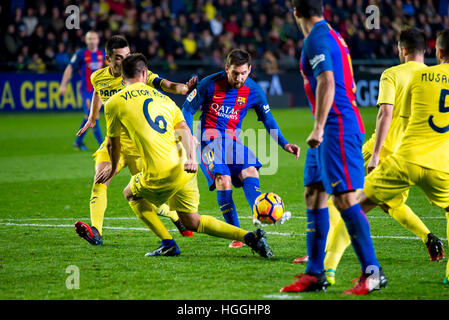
181,197
394,176
133,162
397,201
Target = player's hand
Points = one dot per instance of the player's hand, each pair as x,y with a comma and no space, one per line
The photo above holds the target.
315,138
190,85
293,149
104,175
62,90
89,124
191,166
373,163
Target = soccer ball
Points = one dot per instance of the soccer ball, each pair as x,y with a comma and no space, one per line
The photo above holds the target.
268,208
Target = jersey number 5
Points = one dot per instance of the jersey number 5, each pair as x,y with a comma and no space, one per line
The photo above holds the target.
159,124
443,109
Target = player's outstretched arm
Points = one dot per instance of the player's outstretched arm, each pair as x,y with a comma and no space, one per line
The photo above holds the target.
65,79
179,88
187,140
383,121
94,112
325,92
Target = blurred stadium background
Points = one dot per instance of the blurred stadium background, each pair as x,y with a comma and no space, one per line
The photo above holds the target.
181,38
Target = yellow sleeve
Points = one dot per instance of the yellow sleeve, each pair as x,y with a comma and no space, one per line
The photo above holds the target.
178,116
153,80
387,88
113,123
93,76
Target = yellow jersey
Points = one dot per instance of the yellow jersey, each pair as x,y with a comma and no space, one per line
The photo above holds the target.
106,85
392,90
426,138
150,119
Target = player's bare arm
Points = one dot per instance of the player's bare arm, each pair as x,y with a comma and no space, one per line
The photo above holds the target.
65,79
114,147
179,88
183,131
95,107
325,92
383,121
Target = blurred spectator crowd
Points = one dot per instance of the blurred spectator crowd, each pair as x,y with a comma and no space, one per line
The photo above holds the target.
185,34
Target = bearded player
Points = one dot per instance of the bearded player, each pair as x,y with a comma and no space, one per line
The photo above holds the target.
225,98
106,83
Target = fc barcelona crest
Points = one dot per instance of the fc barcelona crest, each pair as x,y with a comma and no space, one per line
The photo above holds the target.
241,101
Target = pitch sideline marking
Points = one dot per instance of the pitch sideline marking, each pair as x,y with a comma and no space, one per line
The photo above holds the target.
172,230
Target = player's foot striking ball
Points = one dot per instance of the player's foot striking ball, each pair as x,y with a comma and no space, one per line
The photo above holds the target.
88,233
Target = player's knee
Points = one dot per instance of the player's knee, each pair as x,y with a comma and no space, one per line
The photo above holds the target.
223,182
250,172
190,220
343,202
127,193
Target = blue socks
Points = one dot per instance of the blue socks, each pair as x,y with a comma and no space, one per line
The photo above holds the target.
227,207
251,188
317,229
97,133
358,228
96,130
168,242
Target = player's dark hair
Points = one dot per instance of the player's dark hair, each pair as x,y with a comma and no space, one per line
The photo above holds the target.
115,42
238,57
443,42
133,65
413,39
308,8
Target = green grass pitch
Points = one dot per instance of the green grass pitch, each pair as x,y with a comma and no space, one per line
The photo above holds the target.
45,187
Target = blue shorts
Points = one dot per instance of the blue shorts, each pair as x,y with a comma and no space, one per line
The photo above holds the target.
86,95
337,163
225,156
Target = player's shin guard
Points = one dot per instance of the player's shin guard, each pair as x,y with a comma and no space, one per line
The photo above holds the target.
214,227
97,133
336,246
251,188
317,229
146,212
98,204
227,207
358,228
407,218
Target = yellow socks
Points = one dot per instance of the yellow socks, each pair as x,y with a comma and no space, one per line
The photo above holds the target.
407,218
337,239
336,246
164,211
214,227
98,204
146,212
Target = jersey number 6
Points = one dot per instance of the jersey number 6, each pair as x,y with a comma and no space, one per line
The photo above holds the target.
159,124
442,109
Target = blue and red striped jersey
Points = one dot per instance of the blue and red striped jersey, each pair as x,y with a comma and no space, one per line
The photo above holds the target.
86,62
223,107
325,50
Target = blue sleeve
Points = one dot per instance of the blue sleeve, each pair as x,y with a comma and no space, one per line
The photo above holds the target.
319,56
194,101
75,61
264,114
